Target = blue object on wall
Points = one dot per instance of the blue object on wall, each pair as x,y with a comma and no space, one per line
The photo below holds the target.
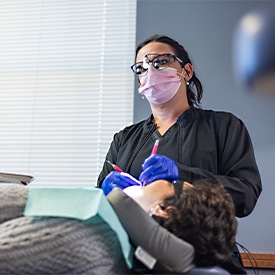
254,50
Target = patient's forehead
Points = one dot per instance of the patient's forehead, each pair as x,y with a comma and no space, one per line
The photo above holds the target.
133,191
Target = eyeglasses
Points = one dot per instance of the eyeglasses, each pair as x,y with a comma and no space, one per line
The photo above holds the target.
160,62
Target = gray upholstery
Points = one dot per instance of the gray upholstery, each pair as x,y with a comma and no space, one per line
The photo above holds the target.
31,245
13,198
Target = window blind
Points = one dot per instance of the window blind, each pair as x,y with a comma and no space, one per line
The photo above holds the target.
65,86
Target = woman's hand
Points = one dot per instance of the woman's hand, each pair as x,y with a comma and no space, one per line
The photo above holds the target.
118,179
158,167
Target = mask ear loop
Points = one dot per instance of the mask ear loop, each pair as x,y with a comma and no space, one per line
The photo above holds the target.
187,81
181,74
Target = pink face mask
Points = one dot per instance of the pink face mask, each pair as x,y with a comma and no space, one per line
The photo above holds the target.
159,86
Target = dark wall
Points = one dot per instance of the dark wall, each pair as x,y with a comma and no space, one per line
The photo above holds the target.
205,29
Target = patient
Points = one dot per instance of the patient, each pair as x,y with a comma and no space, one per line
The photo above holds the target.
201,214
195,227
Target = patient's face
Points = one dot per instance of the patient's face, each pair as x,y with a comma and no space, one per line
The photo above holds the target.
151,195
134,191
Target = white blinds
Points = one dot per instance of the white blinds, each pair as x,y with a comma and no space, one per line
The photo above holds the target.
65,85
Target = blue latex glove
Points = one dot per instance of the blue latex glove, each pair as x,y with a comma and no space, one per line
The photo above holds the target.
158,167
118,179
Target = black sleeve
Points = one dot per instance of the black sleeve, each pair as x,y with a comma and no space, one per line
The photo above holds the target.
144,231
112,157
238,169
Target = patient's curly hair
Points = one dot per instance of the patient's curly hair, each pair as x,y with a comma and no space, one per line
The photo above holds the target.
204,216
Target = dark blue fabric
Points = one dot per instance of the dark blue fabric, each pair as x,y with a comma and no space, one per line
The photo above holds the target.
216,270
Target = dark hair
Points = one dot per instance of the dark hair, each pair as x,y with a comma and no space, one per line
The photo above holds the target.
204,216
194,89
